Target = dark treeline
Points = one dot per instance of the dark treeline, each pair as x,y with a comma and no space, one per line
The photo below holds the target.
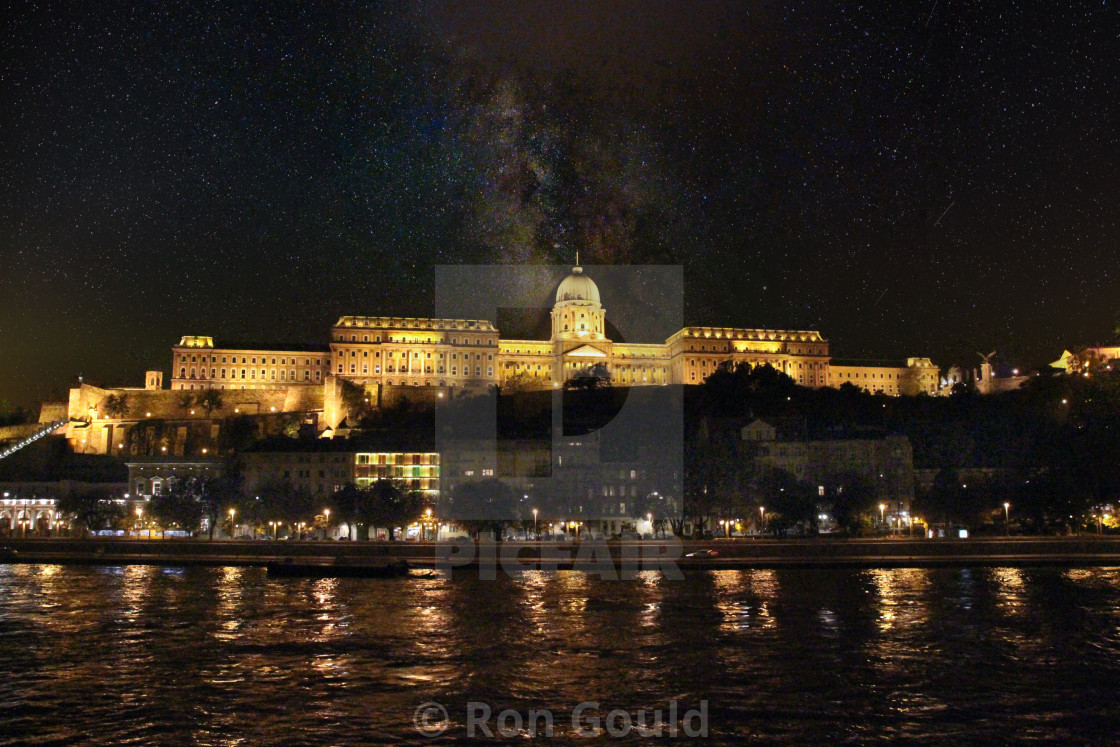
1051,448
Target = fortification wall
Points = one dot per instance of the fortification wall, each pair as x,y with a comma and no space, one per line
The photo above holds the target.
88,402
17,432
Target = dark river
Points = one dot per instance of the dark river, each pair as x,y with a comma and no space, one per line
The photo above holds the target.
223,656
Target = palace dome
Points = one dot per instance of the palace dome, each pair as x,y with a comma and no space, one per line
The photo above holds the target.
577,287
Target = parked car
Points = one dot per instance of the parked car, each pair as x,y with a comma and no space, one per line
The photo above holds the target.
702,554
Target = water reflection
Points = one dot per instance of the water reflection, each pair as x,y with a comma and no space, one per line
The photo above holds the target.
900,595
745,598
1010,587
795,657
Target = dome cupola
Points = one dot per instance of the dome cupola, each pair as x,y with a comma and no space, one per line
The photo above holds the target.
578,287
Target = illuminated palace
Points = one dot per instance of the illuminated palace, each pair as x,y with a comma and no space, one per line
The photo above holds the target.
469,353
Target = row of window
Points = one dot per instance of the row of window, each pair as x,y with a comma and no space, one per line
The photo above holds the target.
404,370
251,360
404,355
421,458
490,342
866,375
250,374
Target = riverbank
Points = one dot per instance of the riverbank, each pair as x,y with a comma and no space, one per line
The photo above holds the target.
729,554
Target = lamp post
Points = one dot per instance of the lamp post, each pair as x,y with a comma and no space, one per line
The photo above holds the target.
1099,524
535,535
139,520
232,526
761,520
327,528
649,520
1007,518
882,509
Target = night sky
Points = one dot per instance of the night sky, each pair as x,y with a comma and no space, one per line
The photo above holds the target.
927,178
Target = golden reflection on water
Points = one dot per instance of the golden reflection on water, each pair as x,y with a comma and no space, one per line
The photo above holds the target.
653,593
229,611
532,588
574,585
1082,575
1010,589
323,591
901,597
136,590
746,599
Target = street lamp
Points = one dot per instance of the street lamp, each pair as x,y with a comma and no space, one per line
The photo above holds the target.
535,534
761,520
1007,518
139,519
882,508
233,527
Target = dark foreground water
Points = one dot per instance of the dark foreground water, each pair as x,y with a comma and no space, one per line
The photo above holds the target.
141,655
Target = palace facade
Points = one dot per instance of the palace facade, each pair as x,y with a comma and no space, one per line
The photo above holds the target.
470,353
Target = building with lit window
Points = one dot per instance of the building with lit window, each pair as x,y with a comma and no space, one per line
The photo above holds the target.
386,356
377,351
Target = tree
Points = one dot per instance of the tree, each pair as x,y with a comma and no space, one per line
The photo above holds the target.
210,400
347,506
185,401
253,511
93,510
219,494
286,502
853,500
13,416
483,504
148,437
715,476
355,398
590,377
115,405
788,501
238,433
390,507
523,381
181,505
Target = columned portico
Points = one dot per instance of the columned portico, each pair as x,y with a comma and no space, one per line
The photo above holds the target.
579,340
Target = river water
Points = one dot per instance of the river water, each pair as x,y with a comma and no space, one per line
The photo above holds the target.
145,654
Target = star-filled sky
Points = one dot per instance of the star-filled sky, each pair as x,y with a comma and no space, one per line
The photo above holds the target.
924,178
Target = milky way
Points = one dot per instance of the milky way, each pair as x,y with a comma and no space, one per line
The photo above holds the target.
920,179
